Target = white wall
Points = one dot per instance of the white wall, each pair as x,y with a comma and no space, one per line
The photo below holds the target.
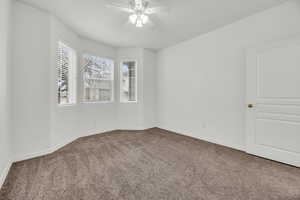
30,80
139,115
201,82
102,116
71,122
5,133
130,115
64,119
40,125
149,88
198,88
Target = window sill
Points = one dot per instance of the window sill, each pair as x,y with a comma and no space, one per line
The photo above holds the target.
98,102
129,102
67,105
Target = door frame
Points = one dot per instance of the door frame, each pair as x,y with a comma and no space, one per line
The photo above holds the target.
251,93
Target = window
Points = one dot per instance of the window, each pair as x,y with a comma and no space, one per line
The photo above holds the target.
66,75
128,81
98,78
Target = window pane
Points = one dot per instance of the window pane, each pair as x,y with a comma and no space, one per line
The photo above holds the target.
66,74
98,77
128,81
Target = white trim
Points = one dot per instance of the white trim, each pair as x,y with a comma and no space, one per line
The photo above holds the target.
211,140
129,102
81,79
254,96
182,132
4,173
136,80
98,102
57,147
73,74
28,156
89,53
66,105
53,148
123,128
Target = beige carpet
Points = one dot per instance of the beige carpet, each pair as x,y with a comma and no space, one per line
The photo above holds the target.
153,164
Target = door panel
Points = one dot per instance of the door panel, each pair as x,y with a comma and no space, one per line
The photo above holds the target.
273,86
278,130
278,72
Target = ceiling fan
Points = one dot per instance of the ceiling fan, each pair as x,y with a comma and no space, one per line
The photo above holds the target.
139,10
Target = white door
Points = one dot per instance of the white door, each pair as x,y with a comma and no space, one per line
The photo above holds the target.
273,101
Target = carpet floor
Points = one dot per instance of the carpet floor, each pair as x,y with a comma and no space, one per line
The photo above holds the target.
149,165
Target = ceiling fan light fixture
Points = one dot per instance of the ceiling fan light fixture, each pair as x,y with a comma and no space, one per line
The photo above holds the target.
139,11
144,18
139,23
133,18
139,20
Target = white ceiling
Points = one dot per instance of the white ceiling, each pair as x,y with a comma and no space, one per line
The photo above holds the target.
186,19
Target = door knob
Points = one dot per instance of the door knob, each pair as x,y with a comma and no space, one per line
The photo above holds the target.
250,105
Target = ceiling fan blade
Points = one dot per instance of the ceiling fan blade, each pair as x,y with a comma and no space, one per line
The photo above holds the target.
120,8
159,9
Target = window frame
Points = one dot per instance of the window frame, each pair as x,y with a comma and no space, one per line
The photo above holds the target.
73,69
136,80
83,101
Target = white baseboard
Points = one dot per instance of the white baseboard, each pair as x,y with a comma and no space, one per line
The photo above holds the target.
57,147
53,148
211,140
28,156
4,173
130,128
